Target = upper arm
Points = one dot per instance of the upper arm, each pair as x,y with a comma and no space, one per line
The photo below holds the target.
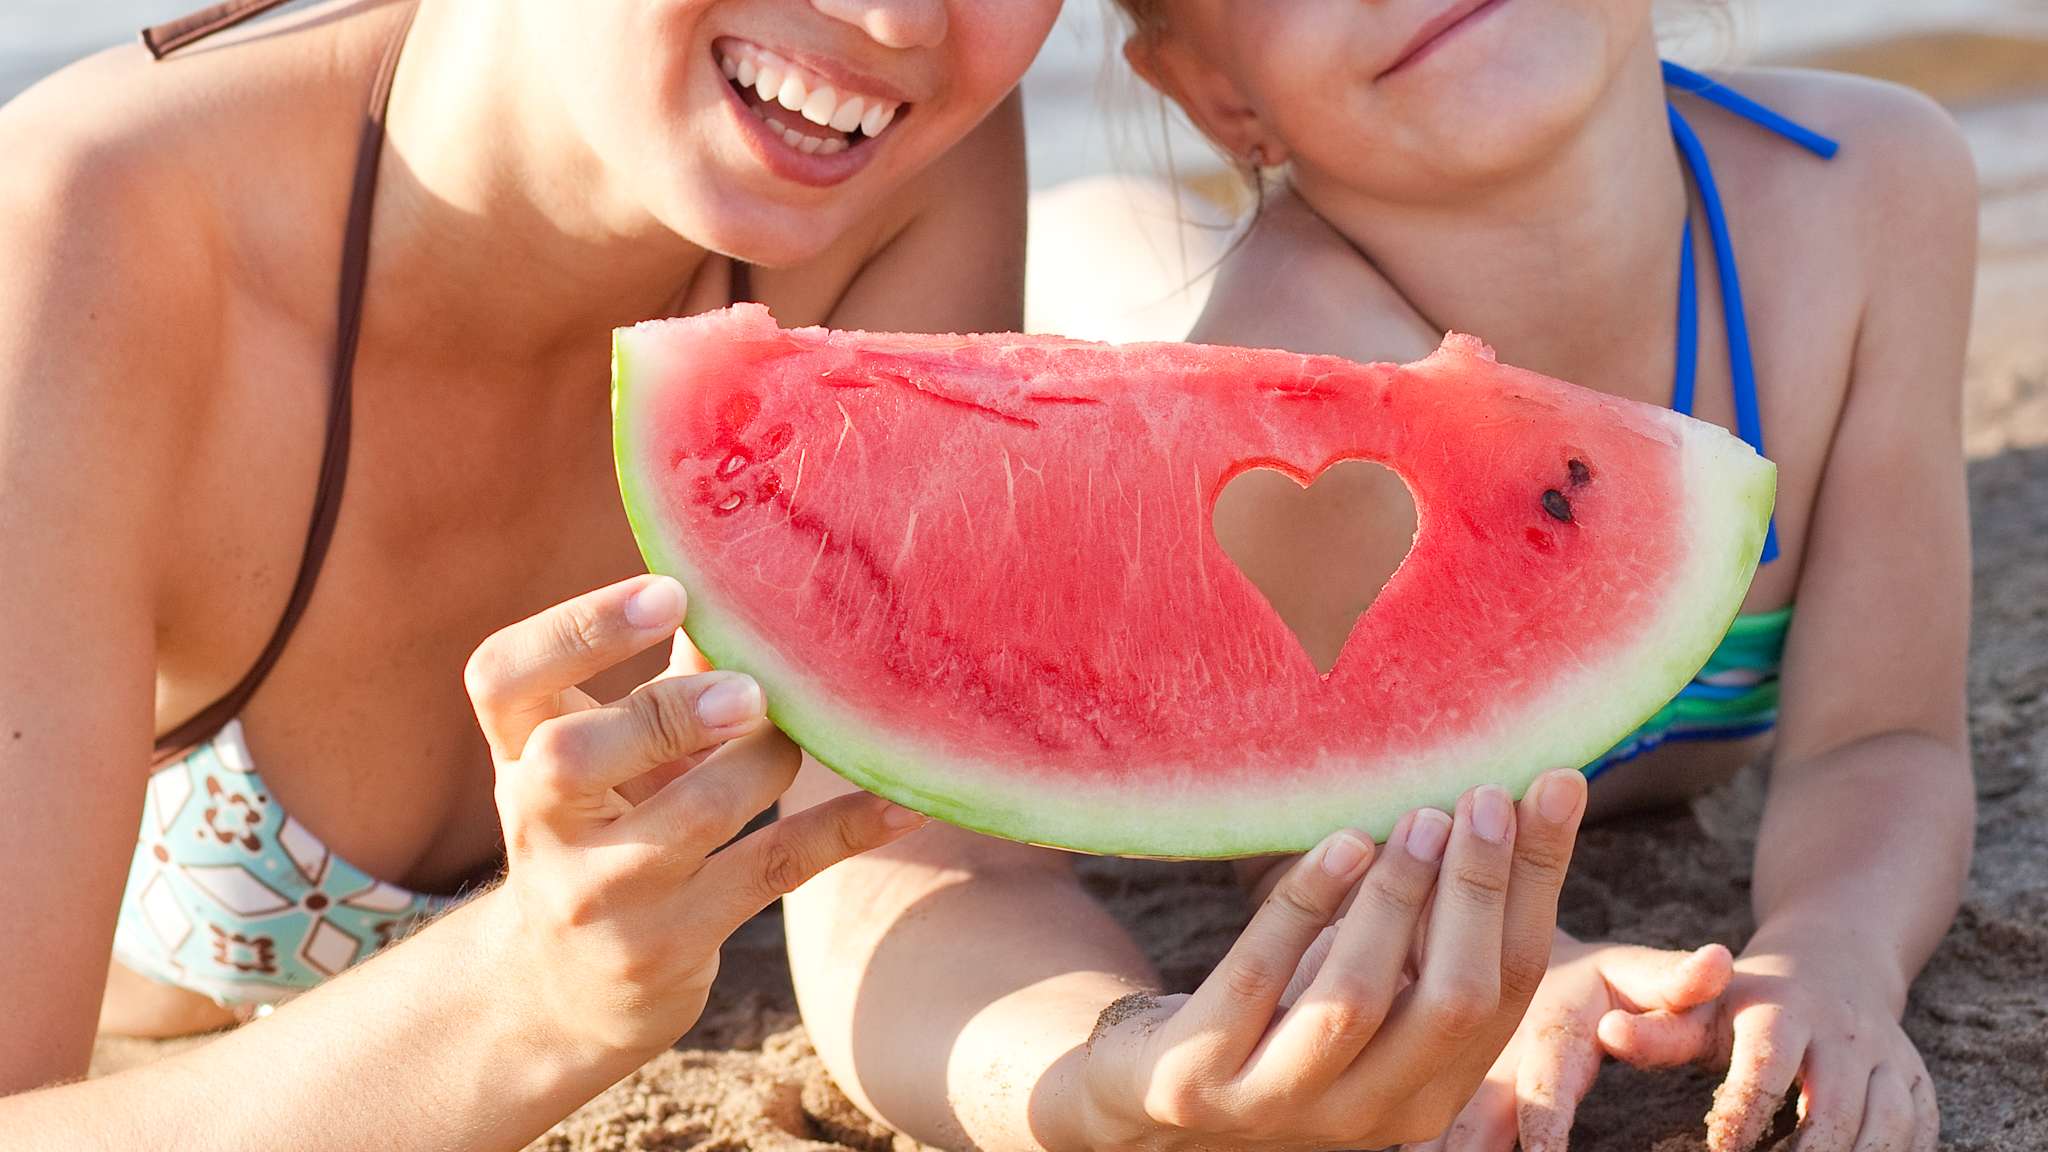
88,362
1881,635
956,261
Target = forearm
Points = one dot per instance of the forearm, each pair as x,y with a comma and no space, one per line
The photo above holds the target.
432,1045
950,1000
1866,849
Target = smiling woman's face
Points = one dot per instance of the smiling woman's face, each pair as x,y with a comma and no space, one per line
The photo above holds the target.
655,87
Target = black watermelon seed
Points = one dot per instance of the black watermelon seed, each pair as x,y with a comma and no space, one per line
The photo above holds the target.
1555,503
1580,473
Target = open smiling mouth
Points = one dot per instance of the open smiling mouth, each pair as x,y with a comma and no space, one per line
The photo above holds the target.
800,107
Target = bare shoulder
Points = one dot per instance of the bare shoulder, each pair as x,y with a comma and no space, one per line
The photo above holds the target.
106,238
136,192
1903,159
1293,282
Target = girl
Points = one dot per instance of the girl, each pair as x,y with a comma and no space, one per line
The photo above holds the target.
493,185
1788,254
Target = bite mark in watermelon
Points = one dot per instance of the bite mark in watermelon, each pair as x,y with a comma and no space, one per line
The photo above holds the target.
977,574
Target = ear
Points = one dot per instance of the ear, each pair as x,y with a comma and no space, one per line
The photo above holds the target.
1209,96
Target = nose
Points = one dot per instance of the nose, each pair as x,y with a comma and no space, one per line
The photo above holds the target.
892,23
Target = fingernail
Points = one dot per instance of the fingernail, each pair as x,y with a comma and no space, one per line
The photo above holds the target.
1428,835
658,605
896,818
1558,798
1343,856
728,702
1490,809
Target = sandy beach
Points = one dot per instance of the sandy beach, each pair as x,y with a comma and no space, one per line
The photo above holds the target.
746,1078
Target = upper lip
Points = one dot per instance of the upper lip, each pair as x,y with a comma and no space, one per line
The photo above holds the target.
1443,22
836,72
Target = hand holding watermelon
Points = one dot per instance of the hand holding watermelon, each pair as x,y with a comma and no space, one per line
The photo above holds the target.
1311,1035
614,814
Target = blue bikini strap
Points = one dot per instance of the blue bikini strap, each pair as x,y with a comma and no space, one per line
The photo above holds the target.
1688,81
1741,362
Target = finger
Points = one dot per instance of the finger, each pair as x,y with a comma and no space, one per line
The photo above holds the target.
1546,823
1832,1092
1766,1056
1324,1031
1926,1108
1667,980
1487,1122
1661,1039
1458,993
725,712
1889,1117
570,763
1216,1030
709,805
737,883
518,676
1545,830
1551,1081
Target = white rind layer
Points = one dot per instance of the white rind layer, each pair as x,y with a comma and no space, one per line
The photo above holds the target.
1729,491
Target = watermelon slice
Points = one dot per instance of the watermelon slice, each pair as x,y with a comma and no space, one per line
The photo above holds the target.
976,574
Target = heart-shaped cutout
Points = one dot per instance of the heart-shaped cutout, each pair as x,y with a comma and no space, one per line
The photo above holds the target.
1319,553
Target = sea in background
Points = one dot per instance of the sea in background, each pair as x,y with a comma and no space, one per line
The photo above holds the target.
1089,117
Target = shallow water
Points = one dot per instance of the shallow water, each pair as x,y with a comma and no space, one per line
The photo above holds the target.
1086,116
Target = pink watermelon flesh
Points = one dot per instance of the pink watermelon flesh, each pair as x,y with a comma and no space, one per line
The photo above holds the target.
976,574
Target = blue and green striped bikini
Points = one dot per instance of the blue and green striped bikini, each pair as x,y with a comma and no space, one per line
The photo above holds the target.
1736,694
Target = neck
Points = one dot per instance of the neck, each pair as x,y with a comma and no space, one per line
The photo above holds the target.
494,215
1591,230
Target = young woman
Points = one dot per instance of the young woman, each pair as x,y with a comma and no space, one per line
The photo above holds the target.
1794,263
303,341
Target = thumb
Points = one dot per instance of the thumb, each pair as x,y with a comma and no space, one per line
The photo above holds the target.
1666,980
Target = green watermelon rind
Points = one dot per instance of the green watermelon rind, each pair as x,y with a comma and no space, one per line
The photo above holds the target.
1732,491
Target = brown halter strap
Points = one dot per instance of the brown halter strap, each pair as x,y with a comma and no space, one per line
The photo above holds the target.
164,39
355,263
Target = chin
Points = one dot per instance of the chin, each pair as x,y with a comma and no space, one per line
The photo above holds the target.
767,239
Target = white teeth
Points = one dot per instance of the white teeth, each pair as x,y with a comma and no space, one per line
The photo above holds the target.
792,94
820,104
790,136
769,80
778,82
847,118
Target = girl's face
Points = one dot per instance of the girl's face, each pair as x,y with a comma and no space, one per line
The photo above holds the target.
843,101
1396,99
